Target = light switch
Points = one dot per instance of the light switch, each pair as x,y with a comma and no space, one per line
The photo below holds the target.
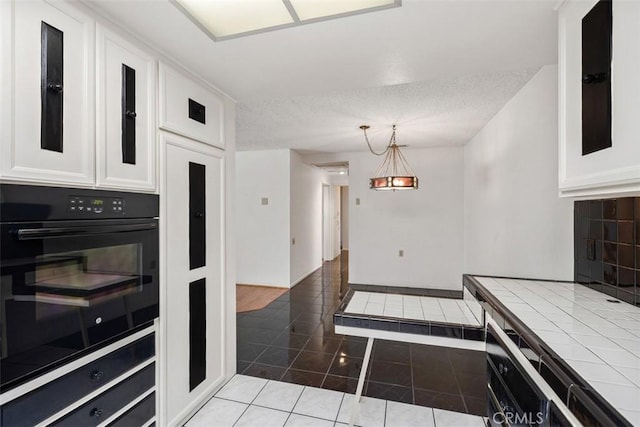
401,252
265,200
357,201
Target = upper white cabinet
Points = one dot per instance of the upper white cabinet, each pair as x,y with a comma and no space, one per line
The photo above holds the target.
48,111
126,82
614,170
189,109
82,107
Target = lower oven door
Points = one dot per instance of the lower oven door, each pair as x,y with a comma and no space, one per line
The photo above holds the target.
514,399
68,286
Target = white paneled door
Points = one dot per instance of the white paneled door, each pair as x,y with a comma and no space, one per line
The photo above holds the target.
180,194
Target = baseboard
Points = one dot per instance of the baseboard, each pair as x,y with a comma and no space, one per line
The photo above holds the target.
304,276
190,410
263,285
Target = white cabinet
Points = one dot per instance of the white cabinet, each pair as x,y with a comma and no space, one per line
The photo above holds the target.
72,85
614,170
193,328
126,134
51,130
190,109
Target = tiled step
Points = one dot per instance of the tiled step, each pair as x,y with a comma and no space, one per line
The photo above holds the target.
410,311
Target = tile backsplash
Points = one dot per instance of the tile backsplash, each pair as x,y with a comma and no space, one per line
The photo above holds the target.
607,246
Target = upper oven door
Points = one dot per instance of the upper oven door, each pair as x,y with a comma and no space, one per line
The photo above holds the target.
70,285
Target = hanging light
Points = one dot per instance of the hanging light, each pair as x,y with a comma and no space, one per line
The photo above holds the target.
394,173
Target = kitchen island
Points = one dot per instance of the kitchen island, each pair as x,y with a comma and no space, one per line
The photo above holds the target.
585,344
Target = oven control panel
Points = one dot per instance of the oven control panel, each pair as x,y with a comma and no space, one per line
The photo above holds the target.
96,205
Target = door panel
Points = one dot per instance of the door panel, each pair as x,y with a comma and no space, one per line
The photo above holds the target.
179,154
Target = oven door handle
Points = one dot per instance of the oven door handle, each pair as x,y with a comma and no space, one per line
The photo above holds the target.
494,399
49,233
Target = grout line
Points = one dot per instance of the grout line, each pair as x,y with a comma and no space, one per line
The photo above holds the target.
433,414
243,412
340,407
258,394
413,387
329,368
250,404
287,420
384,421
298,399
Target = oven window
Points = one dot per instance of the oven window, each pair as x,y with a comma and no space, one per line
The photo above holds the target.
82,278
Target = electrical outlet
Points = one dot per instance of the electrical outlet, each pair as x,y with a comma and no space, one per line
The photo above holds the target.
357,201
401,252
265,200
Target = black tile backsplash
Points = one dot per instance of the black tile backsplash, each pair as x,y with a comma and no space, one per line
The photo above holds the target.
607,246
625,232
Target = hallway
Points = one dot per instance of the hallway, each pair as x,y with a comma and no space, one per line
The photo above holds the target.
293,340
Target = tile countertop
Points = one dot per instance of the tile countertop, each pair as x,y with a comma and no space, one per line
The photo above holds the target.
598,338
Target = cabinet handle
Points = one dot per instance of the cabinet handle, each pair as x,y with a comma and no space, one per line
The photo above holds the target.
96,413
96,375
51,96
594,78
197,111
128,115
502,369
55,87
197,211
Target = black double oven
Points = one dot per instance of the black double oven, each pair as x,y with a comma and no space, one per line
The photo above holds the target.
78,271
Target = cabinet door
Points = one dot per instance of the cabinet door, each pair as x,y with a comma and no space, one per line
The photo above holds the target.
190,109
192,193
126,81
49,135
614,170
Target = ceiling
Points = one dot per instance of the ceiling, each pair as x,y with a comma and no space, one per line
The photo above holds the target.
439,69
447,111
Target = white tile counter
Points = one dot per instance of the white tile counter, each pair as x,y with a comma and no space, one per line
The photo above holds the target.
597,338
413,307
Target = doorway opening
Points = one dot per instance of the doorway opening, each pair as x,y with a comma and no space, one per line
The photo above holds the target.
331,222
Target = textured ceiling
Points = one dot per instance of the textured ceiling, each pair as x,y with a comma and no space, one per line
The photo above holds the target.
439,112
440,69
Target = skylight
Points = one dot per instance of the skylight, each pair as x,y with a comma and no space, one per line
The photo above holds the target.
225,19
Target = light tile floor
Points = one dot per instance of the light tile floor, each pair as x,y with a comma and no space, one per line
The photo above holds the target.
251,401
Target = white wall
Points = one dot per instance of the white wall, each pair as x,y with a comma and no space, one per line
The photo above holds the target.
344,217
515,224
262,231
306,218
426,223
230,235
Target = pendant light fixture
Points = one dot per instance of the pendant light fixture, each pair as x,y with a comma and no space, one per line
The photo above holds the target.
394,173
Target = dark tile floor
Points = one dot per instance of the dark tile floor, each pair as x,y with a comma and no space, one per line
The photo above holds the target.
293,340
